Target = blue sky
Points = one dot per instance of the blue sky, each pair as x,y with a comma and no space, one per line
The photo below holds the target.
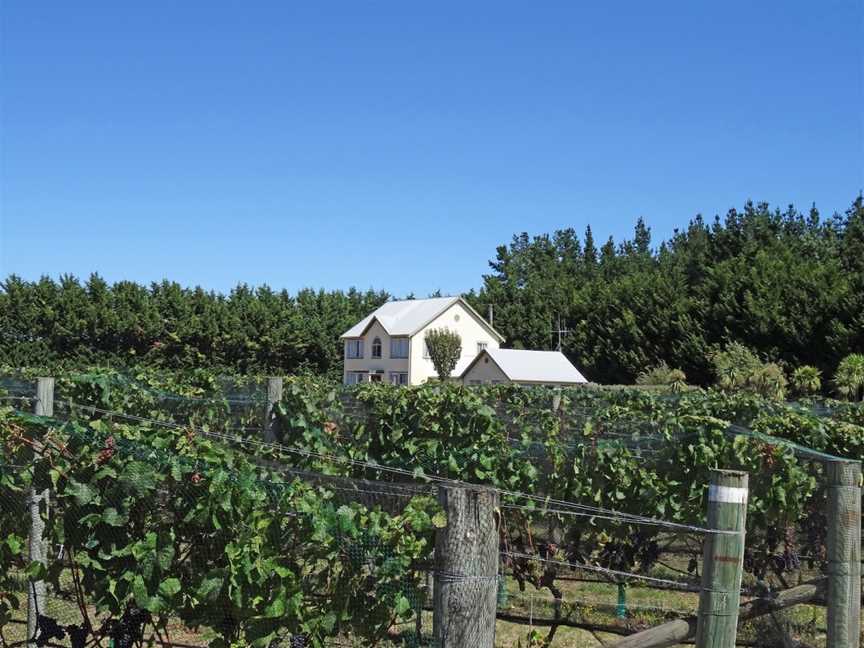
396,144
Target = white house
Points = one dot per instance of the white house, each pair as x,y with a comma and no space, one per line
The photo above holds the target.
522,367
388,345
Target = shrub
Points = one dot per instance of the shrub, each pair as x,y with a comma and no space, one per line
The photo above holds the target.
662,374
849,379
445,347
768,380
733,365
806,380
739,368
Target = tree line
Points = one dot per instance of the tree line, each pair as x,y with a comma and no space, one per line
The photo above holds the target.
785,284
70,323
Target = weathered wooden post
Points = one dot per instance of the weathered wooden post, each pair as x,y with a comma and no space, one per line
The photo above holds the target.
723,560
466,568
844,554
271,423
38,551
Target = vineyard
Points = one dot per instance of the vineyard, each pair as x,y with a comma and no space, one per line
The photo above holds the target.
194,510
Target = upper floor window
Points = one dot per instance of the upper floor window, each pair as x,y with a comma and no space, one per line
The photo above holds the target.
399,347
481,346
376,348
354,349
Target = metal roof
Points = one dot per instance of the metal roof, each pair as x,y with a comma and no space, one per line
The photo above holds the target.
534,366
408,316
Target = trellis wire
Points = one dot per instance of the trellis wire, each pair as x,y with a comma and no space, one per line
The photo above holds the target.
618,515
594,568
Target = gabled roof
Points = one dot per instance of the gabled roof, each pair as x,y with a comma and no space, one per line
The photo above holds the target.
407,317
532,366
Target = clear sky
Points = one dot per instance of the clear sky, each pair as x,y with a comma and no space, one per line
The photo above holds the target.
395,144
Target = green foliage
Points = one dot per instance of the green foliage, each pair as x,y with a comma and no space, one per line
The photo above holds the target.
510,437
196,528
737,368
787,284
185,528
445,347
662,374
70,323
734,365
769,380
806,381
849,379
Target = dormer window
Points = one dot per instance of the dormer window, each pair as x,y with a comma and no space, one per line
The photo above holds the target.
376,348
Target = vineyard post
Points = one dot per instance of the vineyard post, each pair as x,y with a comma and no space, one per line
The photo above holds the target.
271,423
723,560
38,551
844,554
465,593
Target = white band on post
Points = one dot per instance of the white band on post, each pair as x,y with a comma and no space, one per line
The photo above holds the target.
727,494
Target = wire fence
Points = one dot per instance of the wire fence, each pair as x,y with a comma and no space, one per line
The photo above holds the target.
340,520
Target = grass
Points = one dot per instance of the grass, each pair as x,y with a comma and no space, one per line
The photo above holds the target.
583,602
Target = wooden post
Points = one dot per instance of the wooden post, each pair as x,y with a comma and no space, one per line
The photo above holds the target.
844,554
723,558
38,550
466,569
271,423
679,631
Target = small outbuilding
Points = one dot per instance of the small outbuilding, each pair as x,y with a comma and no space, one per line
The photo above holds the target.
502,366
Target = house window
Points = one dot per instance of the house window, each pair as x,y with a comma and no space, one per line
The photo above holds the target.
475,382
481,346
426,350
398,378
354,349
355,377
399,347
376,348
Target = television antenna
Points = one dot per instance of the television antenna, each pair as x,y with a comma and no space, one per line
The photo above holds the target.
561,332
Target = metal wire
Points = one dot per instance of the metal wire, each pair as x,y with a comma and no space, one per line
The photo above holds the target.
595,568
414,474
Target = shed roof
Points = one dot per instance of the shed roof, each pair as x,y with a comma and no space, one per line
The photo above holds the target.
533,366
408,316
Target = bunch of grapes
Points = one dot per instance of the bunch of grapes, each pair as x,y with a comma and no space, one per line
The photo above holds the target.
128,630
791,559
47,629
107,452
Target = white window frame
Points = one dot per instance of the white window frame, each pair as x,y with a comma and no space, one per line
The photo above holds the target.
395,347
354,349
426,349
356,377
377,343
398,377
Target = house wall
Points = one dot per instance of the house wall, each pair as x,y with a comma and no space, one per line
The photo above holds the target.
367,363
486,371
456,318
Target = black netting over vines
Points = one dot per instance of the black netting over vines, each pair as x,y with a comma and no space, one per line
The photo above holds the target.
170,515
